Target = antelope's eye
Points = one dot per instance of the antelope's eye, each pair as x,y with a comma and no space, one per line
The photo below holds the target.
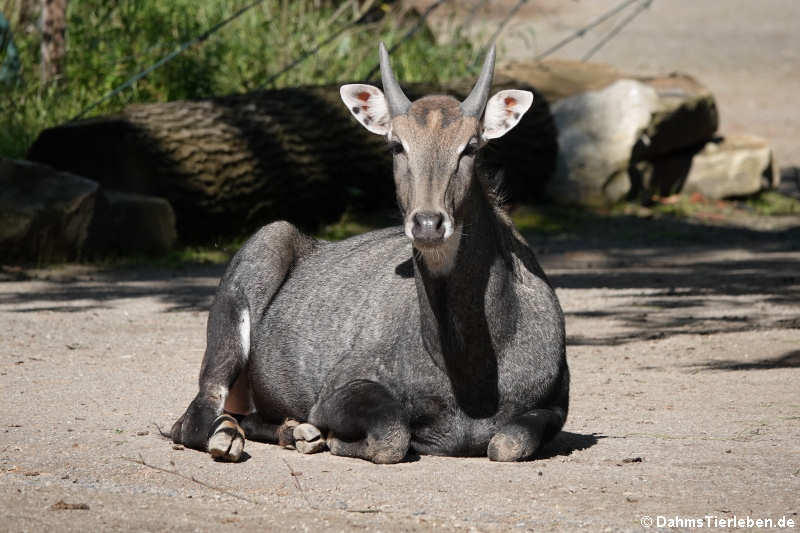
396,147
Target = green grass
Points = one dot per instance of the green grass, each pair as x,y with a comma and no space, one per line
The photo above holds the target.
546,219
352,224
107,42
221,252
773,203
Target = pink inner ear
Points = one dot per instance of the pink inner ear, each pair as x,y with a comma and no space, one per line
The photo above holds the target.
363,96
510,101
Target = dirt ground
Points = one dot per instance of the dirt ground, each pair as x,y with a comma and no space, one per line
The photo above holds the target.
684,345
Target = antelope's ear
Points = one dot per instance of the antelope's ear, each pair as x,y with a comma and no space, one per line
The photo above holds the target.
368,105
504,110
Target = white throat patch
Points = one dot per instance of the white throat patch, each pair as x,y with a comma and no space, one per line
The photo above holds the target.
440,261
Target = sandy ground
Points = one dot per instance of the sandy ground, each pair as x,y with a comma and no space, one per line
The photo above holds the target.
685,402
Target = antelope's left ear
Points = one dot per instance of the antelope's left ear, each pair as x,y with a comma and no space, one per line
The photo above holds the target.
504,110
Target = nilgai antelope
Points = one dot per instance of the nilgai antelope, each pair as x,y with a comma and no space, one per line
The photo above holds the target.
442,336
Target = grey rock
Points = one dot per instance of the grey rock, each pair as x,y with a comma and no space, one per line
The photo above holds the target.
44,213
685,116
730,166
602,129
686,113
132,223
597,133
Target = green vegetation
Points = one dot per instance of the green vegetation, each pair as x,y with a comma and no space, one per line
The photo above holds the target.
547,219
773,203
356,223
213,254
107,42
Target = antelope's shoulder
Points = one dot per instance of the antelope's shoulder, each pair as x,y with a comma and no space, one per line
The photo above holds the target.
533,289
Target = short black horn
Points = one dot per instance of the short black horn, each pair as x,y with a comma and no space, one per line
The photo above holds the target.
396,100
475,103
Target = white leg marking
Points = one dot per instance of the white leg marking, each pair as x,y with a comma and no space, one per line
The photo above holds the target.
244,331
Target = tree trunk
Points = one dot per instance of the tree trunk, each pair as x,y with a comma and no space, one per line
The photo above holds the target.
54,39
231,164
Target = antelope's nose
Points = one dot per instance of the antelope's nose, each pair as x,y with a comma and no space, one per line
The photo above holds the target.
428,227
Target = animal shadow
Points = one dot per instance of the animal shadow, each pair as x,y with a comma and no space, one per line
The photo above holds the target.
567,442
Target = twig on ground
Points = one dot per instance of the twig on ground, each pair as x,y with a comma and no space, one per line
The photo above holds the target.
142,462
295,475
165,435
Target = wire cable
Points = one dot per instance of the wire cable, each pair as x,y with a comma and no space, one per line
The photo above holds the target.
616,29
581,32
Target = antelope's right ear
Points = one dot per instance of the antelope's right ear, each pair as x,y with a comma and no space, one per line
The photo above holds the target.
368,105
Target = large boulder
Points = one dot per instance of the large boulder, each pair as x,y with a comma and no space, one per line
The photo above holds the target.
606,125
44,213
724,167
597,132
131,223
685,113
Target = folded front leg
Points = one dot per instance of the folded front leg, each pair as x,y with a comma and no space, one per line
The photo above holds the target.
522,438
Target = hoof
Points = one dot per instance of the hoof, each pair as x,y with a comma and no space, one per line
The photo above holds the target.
308,439
286,433
505,448
227,441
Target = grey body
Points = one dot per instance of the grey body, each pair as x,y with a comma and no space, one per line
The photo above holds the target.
443,335
332,323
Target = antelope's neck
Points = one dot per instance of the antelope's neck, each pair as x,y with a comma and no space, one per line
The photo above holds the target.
467,314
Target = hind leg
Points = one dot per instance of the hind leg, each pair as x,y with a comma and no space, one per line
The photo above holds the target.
364,420
253,277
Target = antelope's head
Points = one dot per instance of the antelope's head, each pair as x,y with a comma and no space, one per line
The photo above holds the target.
434,141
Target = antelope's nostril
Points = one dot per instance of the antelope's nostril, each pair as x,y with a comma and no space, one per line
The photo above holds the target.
428,226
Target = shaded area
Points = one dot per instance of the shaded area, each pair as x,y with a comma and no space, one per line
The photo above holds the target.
188,289
679,277
567,442
787,360
707,299
718,280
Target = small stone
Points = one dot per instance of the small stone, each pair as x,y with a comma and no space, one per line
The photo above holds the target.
61,505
